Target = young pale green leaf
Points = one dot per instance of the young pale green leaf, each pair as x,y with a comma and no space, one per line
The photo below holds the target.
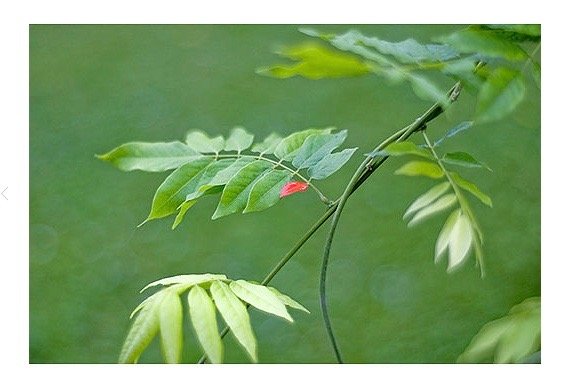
202,143
236,193
421,168
150,157
485,342
426,199
484,42
287,148
316,62
454,131
238,140
172,192
502,92
437,206
443,239
464,159
521,339
143,329
316,147
461,240
170,315
330,164
268,145
235,315
472,188
203,317
185,280
266,190
287,300
402,149
261,298
185,206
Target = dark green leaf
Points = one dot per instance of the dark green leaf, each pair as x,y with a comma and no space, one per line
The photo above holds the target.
260,297
472,188
150,157
421,168
464,159
171,326
202,143
266,190
268,146
500,95
238,140
316,147
203,317
330,164
288,147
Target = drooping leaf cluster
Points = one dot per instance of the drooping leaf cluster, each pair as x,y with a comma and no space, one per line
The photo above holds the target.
162,313
460,232
514,338
247,179
507,51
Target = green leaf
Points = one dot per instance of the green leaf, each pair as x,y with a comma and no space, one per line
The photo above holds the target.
472,188
521,339
502,92
330,164
266,190
316,147
403,148
268,146
461,239
287,148
174,189
235,315
443,239
143,329
260,297
203,317
202,143
288,301
185,206
483,345
239,140
150,157
426,199
518,32
185,281
484,42
315,62
421,168
171,326
223,177
437,206
236,193
464,159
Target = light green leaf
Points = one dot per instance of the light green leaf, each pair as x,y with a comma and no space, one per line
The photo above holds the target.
460,242
185,280
223,177
402,149
421,168
266,190
426,199
268,146
235,315
472,188
207,179
484,42
171,326
502,92
172,192
261,298
316,147
288,301
185,206
202,143
203,317
464,159
483,345
315,62
437,206
287,148
330,164
521,339
150,157
143,329
239,140
443,239
236,193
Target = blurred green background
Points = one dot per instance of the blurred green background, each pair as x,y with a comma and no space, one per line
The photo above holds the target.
95,87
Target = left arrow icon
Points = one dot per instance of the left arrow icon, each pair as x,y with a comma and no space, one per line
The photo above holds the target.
3,193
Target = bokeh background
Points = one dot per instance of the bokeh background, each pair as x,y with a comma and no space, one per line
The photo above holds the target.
95,87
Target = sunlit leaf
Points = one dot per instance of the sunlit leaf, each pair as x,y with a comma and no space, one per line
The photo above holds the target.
185,280
421,168
316,147
443,239
171,326
150,157
287,300
461,240
268,145
260,297
330,164
403,148
238,140
471,188
266,190
235,315
464,159
202,143
287,148
292,188
203,317
502,92
437,206
427,198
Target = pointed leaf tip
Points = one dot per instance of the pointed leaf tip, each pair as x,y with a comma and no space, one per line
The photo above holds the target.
293,187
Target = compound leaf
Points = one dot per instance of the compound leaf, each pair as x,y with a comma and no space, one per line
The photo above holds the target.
260,297
203,316
330,164
288,146
266,190
239,140
202,143
316,147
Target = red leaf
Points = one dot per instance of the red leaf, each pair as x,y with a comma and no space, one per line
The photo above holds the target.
293,187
